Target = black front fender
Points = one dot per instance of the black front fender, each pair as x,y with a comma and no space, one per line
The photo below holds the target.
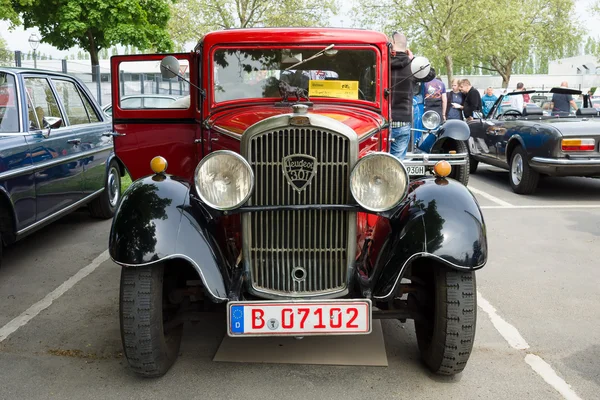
156,222
455,129
441,220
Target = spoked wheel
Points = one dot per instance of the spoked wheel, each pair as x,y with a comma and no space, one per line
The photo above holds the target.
448,304
523,179
145,312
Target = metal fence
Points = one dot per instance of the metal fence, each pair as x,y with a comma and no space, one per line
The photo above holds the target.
98,78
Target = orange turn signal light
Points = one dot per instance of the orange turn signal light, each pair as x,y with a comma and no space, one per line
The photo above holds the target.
578,145
442,168
158,165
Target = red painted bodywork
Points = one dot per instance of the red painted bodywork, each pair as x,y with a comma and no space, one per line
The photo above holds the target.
174,134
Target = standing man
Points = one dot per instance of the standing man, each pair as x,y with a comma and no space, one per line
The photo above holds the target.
401,100
435,96
488,101
516,100
472,99
561,102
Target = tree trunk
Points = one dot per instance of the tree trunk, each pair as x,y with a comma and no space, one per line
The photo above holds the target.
93,50
449,68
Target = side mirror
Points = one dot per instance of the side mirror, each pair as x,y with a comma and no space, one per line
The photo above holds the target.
477,114
420,67
169,67
51,123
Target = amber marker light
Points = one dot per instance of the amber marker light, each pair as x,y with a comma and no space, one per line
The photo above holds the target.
442,168
578,145
158,165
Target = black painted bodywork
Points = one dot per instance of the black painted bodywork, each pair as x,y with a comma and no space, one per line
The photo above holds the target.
160,218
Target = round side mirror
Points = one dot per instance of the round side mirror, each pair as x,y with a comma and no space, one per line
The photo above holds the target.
420,67
169,67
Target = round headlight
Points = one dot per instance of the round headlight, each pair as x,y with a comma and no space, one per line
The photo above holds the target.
431,119
224,180
379,181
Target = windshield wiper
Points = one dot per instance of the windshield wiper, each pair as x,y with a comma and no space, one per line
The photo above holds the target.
320,53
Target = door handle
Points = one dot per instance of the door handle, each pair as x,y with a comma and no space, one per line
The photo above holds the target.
113,134
75,142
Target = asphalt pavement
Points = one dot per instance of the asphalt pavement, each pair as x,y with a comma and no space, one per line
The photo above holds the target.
537,328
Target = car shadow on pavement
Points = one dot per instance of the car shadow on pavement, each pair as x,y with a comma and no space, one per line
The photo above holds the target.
585,362
549,188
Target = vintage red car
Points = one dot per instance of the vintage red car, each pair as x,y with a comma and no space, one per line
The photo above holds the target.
268,193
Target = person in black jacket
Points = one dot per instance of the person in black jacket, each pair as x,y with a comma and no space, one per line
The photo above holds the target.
472,99
402,94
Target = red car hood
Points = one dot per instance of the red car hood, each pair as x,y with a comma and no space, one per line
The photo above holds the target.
362,121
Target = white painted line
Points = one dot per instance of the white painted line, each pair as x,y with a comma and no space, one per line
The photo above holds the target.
541,207
516,341
41,305
544,370
490,197
509,332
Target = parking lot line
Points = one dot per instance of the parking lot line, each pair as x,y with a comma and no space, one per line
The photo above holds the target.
41,305
490,197
516,341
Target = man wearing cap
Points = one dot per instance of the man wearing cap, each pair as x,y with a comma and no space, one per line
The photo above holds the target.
401,99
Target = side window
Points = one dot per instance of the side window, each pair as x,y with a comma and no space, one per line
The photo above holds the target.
89,107
69,95
43,101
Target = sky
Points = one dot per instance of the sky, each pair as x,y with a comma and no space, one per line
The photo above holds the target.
17,39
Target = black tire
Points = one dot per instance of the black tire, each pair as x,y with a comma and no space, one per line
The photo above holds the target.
473,163
105,205
150,351
449,305
528,182
459,172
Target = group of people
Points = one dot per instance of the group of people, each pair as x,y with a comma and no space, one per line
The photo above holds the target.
460,103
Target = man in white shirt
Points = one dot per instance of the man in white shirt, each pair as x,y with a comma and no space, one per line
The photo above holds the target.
516,100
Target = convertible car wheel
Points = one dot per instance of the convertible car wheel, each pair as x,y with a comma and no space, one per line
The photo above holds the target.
149,347
106,204
523,179
446,332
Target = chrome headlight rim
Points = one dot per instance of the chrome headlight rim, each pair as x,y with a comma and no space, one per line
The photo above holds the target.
404,170
215,154
431,112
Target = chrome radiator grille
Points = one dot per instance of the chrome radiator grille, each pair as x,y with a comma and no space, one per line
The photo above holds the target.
298,252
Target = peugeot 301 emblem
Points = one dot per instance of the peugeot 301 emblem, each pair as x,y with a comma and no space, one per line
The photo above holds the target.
299,170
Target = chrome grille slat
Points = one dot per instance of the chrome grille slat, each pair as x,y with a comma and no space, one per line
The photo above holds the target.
316,240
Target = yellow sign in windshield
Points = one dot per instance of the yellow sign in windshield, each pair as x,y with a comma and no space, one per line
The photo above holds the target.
339,89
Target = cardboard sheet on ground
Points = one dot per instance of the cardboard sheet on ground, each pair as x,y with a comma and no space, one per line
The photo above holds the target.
366,350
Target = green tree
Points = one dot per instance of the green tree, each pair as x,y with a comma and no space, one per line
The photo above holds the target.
94,25
6,56
8,12
544,27
114,51
104,54
442,30
190,19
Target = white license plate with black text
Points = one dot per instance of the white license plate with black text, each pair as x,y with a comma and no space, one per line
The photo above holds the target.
302,318
416,170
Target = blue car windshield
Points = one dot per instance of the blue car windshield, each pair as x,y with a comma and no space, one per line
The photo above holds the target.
9,107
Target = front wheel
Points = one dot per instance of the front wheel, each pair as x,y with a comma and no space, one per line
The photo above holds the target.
523,179
144,312
459,172
446,331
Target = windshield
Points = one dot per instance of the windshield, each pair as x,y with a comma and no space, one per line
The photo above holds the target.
257,73
9,110
542,103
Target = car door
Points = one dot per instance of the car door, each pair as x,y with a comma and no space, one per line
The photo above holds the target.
55,151
144,133
89,132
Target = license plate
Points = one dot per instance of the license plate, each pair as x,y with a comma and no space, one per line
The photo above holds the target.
416,170
301,318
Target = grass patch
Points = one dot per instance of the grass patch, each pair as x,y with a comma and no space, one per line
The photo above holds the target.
125,182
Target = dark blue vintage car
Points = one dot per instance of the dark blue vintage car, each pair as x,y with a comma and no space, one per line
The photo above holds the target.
56,152
533,139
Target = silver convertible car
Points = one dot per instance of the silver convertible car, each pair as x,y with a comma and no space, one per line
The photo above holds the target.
537,139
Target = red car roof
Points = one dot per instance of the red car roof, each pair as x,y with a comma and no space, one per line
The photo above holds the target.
294,35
